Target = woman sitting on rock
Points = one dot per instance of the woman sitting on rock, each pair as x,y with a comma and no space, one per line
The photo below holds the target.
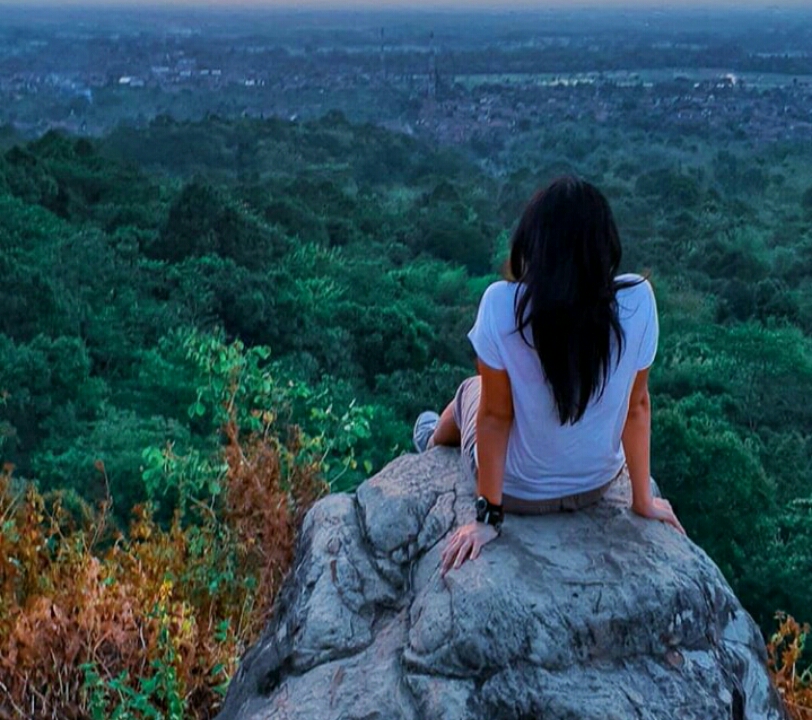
561,405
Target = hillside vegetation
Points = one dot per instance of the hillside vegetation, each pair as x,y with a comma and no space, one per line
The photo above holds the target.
204,319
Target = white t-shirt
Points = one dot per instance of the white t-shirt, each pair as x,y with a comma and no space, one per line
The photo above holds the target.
544,458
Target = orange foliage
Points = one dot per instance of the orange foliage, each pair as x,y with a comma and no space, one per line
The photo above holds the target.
264,513
75,595
785,651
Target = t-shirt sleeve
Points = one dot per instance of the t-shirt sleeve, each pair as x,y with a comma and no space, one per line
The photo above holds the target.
650,329
484,336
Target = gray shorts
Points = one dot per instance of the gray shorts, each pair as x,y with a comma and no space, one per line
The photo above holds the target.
465,407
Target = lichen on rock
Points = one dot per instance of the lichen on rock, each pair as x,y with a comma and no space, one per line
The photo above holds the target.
597,615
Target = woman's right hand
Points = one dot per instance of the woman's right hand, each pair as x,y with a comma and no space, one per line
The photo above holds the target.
659,509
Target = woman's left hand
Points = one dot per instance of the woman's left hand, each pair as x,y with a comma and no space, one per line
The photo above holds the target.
465,543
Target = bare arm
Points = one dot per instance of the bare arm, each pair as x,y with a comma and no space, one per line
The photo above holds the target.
637,446
493,421
637,441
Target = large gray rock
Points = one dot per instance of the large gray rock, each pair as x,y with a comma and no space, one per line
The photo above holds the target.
591,615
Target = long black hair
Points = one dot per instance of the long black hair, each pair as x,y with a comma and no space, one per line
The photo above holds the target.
566,252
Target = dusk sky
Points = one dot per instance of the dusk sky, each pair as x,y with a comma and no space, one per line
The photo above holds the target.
415,4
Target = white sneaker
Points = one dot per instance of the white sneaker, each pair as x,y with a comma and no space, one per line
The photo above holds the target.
424,429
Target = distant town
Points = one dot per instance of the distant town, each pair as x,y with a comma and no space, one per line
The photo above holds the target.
454,78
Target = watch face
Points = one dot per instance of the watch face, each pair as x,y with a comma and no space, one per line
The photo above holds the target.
481,504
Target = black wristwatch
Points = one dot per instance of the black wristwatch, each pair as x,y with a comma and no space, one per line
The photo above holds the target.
488,513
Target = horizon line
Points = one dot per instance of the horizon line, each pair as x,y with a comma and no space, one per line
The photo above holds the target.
402,6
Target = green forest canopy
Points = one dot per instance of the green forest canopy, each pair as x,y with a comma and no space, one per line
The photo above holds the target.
357,257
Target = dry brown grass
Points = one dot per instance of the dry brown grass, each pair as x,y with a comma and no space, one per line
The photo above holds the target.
785,655
93,621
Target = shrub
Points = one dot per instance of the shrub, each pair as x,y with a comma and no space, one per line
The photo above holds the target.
98,624
785,652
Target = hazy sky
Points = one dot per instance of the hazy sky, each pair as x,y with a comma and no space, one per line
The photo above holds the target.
416,4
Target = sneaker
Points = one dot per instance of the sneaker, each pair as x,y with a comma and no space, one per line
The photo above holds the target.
424,429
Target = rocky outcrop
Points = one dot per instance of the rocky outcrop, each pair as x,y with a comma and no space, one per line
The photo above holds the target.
592,615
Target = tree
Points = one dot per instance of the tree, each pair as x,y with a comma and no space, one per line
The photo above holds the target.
710,473
49,394
806,201
205,221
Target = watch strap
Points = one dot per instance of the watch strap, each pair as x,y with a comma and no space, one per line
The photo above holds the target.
489,513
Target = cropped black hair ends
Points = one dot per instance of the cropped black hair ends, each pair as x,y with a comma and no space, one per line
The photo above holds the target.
566,252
